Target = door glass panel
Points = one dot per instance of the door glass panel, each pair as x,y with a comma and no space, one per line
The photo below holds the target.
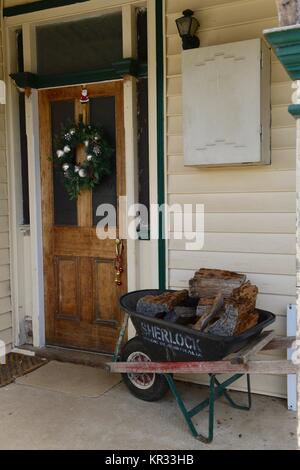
102,114
142,35
65,211
143,152
80,46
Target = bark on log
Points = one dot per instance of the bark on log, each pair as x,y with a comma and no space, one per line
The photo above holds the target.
204,320
166,302
204,306
244,301
226,325
237,315
209,283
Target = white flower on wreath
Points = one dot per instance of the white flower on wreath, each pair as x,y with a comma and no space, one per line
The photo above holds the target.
82,173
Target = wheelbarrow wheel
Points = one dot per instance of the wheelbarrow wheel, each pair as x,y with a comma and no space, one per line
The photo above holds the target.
147,387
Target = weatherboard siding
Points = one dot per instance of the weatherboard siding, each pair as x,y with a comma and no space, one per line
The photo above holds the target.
250,212
5,299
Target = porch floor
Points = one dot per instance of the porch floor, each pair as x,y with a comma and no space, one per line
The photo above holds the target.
36,417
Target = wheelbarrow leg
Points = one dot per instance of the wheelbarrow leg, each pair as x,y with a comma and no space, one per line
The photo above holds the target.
231,401
120,338
189,414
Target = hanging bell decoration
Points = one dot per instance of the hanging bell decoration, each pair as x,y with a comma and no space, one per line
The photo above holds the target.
119,262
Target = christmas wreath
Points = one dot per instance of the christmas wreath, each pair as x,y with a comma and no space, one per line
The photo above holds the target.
89,173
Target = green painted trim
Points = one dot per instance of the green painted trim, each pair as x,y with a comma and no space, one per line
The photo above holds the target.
126,67
286,45
160,140
142,70
25,79
31,80
118,70
294,110
38,6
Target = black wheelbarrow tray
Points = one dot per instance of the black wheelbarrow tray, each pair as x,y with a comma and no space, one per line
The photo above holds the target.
173,342
161,349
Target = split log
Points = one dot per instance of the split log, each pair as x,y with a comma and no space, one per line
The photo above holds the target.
244,301
184,315
154,304
204,306
237,315
226,324
288,12
204,320
209,283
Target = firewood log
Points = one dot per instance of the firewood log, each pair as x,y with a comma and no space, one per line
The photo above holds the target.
226,324
246,323
210,282
244,300
153,304
204,306
239,313
205,319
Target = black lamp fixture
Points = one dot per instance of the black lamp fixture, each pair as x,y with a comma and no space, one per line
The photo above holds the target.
187,27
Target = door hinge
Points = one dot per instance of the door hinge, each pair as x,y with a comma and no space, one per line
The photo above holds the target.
261,133
261,59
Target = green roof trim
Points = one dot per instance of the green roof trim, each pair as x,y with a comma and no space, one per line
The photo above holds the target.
286,45
160,140
117,71
38,6
294,110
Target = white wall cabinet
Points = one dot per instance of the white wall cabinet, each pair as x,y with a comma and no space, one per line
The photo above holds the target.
227,104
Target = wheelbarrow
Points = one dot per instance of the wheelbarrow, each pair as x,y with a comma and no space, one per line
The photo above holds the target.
160,349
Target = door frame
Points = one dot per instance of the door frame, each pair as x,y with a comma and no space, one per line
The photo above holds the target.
137,251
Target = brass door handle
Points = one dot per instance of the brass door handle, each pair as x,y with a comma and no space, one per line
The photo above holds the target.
119,261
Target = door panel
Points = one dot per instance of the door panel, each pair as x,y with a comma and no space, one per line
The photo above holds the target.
103,304
81,296
67,288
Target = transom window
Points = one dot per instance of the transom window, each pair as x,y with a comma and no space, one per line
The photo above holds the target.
79,46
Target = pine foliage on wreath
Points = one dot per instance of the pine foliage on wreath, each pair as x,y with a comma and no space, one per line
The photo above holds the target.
89,173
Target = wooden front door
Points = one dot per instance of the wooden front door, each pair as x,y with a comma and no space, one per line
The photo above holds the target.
81,295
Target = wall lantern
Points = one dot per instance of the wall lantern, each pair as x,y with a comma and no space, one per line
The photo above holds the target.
187,27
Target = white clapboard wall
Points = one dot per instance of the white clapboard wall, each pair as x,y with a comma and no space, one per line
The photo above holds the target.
5,300
250,211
